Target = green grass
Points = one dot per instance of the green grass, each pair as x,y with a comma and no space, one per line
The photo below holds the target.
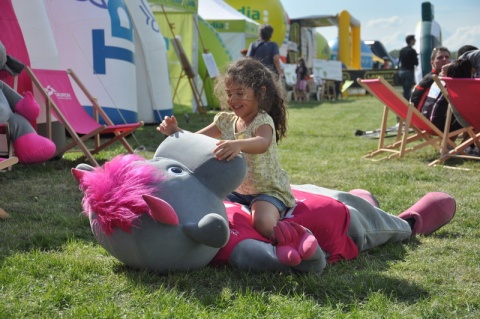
51,267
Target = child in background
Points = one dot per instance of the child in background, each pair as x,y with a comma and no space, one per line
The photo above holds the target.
301,84
254,123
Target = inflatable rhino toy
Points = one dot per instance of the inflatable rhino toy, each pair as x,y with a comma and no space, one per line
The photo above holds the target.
164,214
168,214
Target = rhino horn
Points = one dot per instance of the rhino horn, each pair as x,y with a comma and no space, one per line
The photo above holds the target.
212,230
161,211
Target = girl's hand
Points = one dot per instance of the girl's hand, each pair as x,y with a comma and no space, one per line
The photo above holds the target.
168,126
227,150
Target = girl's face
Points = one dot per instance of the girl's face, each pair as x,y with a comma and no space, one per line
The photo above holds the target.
241,100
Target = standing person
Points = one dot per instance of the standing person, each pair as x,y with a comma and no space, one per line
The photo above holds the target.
386,63
408,60
255,122
440,56
301,84
266,51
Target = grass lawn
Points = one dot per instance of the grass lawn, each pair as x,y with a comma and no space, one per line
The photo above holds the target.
51,266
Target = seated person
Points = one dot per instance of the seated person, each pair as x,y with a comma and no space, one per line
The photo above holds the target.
465,52
440,57
436,105
474,57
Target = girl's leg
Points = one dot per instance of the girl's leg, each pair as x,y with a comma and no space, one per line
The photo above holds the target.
264,217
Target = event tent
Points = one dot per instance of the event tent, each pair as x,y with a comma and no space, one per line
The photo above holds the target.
211,43
267,12
154,96
178,19
116,51
236,30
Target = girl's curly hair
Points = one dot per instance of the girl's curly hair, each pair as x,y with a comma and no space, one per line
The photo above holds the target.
252,73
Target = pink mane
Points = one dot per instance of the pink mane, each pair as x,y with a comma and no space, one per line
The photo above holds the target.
114,191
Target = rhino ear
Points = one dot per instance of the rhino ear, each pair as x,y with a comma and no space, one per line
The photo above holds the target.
81,170
79,174
161,211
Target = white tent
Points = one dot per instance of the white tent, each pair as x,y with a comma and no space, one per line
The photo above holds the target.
236,30
154,96
97,42
178,19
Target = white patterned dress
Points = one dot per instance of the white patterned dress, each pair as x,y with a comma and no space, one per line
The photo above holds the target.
264,174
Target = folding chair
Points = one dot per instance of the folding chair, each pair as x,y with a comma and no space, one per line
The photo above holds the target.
425,133
290,81
463,96
60,100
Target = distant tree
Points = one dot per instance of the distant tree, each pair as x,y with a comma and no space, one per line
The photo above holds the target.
394,53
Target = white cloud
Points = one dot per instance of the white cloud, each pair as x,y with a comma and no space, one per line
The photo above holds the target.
389,31
461,36
384,22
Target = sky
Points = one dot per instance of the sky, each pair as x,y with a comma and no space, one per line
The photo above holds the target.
390,21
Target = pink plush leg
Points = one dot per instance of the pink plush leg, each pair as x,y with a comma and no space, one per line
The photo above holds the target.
307,244
431,212
294,243
32,148
28,108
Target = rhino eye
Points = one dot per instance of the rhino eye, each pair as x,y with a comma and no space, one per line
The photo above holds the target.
175,170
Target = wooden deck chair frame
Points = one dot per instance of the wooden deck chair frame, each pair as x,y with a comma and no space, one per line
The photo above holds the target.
5,130
424,132
77,140
8,162
473,138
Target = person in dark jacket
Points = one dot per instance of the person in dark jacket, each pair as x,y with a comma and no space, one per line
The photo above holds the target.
265,50
440,56
408,60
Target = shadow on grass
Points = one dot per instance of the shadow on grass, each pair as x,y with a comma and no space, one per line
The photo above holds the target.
313,104
453,162
44,204
344,283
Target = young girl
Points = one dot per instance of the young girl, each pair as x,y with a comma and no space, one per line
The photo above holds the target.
301,84
254,124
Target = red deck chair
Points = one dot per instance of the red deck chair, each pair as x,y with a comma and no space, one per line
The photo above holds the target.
463,96
68,110
424,132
